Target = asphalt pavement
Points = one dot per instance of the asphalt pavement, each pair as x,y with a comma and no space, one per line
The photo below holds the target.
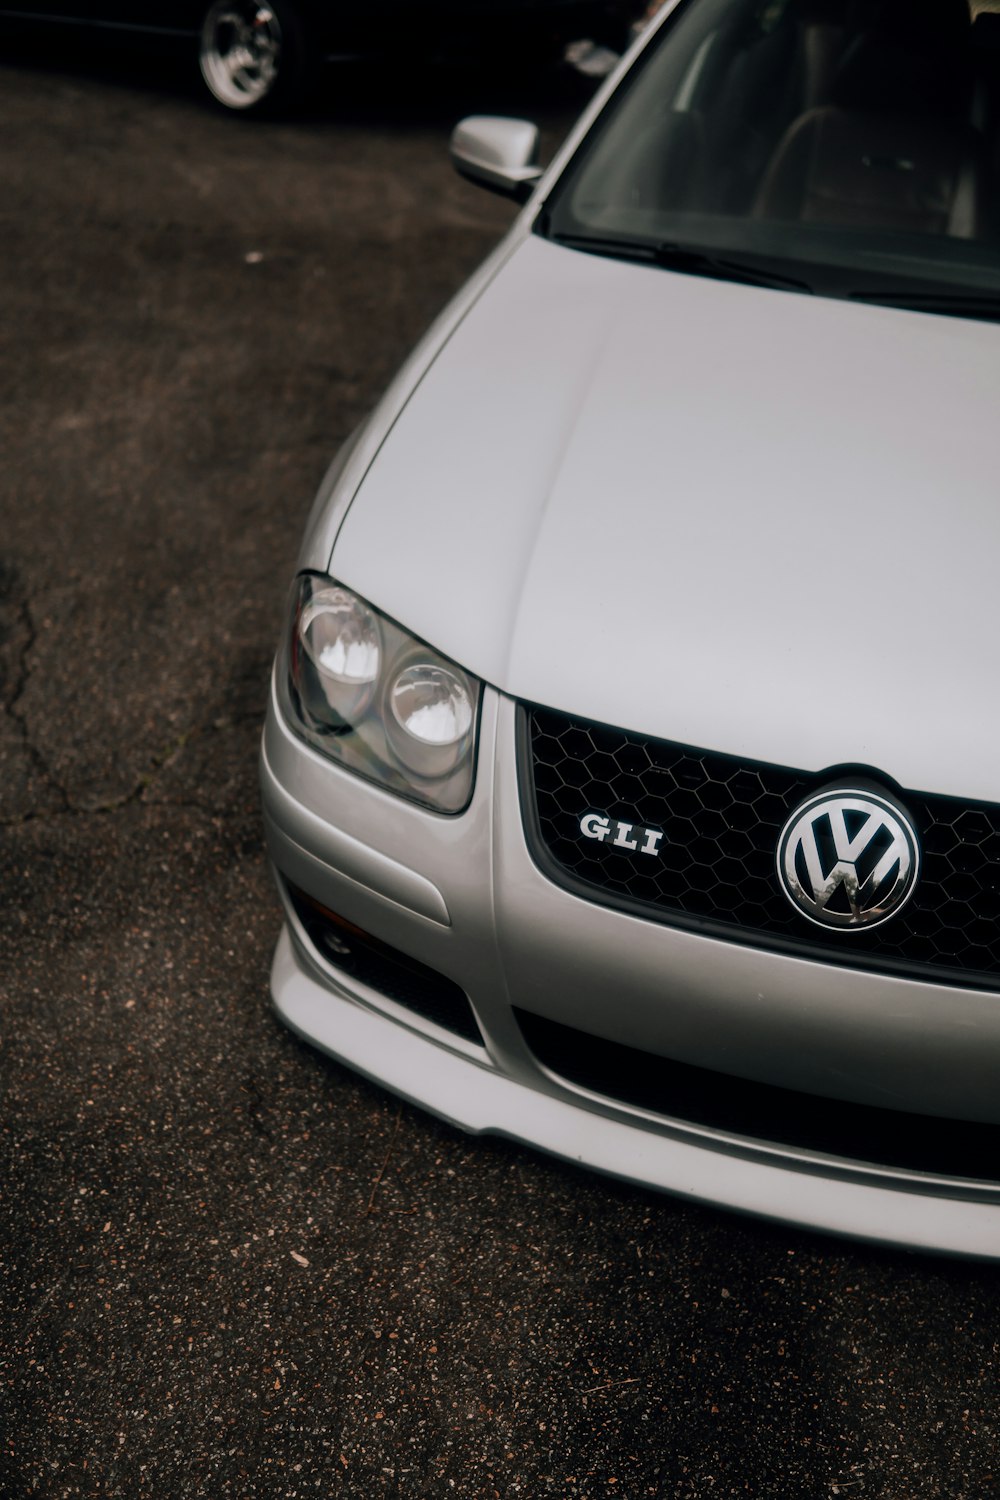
228,1267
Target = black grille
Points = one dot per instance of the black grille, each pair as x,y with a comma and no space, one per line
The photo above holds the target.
761,1112
385,969
715,870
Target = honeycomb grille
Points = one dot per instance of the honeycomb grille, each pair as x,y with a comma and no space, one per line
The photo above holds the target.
715,870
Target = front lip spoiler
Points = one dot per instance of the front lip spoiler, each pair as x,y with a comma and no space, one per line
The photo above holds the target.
483,1101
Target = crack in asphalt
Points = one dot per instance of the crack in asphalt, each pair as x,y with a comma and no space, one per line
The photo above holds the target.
68,808
14,712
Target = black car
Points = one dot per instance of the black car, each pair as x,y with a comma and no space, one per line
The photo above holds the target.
255,54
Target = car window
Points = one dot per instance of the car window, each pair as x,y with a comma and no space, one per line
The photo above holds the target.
856,140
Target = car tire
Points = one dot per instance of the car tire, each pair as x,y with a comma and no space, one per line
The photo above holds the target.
254,55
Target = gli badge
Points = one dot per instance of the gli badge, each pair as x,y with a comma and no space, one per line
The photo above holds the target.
619,835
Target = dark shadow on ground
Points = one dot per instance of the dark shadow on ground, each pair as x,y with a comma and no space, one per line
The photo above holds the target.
419,91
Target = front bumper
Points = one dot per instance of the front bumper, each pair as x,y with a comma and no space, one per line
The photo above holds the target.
463,896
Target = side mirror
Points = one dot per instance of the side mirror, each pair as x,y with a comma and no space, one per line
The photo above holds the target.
498,154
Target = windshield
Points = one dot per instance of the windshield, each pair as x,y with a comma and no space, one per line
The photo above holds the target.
848,147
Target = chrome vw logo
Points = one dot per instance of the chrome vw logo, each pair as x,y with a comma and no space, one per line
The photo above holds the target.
848,858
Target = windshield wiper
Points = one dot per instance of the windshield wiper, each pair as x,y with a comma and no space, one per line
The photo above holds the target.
690,260
953,304
697,262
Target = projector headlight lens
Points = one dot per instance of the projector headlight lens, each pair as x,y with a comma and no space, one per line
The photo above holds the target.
431,717
340,648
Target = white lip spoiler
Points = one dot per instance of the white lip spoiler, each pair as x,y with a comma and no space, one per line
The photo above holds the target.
485,1102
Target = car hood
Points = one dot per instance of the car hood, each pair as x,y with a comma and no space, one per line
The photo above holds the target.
747,520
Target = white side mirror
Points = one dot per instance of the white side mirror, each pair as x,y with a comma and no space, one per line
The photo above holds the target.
498,154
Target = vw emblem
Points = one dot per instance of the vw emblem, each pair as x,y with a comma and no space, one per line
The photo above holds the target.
848,858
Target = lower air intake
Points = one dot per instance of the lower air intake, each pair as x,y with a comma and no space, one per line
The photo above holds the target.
760,1112
359,955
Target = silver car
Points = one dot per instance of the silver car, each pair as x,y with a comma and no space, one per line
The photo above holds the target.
632,766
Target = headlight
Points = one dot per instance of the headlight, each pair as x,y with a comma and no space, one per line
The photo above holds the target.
339,639
370,695
431,716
